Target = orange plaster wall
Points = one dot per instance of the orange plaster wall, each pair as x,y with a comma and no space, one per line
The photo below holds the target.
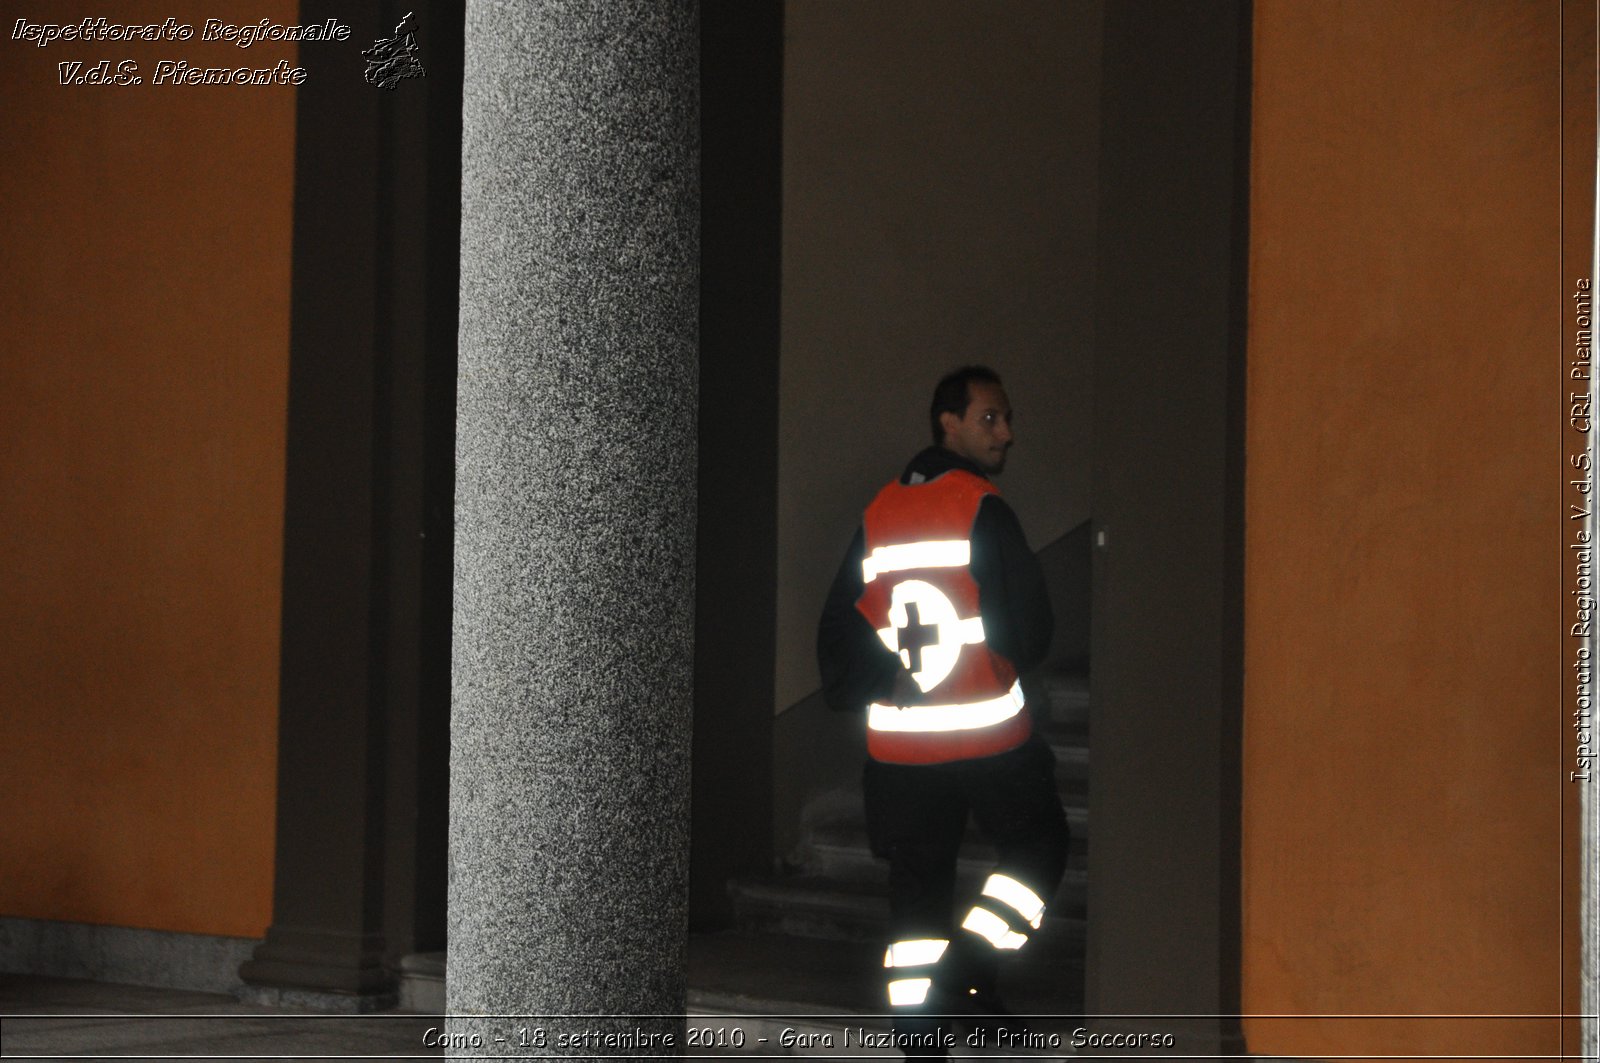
143,382
1404,749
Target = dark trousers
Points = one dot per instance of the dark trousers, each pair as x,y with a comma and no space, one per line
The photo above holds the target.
916,816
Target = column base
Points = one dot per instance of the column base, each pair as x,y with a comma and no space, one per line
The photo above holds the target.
422,983
319,970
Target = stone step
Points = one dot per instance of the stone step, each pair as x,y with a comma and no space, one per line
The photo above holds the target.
841,855
811,906
1066,696
848,829
1071,774
421,977
837,892
840,847
1072,762
806,906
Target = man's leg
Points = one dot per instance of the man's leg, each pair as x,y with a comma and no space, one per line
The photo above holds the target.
1015,802
915,819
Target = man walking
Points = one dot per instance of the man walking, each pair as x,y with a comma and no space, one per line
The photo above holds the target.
936,609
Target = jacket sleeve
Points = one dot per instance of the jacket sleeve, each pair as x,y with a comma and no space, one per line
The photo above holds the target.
856,666
1012,597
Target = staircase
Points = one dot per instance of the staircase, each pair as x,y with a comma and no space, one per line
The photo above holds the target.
805,962
827,914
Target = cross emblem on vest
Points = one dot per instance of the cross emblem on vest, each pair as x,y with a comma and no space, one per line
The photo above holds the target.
914,636
927,633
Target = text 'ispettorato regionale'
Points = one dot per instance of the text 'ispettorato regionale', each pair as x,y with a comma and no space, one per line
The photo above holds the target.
177,71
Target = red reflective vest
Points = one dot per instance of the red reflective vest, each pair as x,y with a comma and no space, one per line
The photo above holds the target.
922,600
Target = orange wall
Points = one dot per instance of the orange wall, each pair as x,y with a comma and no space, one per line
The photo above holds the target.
1405,750
143,377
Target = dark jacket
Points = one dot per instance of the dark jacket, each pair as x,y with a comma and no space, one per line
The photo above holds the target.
858,668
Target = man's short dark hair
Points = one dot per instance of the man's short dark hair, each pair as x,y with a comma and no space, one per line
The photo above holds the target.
952,394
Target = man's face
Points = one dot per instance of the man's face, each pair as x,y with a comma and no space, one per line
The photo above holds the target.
983,434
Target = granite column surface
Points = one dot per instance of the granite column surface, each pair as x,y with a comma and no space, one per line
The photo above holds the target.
575,522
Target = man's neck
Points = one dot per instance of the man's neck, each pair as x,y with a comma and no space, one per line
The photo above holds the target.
938,459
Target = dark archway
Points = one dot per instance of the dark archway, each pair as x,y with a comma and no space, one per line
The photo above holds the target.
1169,517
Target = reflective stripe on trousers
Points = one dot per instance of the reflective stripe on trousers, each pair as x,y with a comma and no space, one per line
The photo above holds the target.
1006,903
911,965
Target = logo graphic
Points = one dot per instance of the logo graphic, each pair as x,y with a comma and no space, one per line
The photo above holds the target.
391,60
926,632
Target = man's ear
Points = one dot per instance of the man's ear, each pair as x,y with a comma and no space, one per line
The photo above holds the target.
948,423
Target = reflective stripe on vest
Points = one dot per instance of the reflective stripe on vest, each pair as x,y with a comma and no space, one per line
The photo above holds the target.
967,717
941,553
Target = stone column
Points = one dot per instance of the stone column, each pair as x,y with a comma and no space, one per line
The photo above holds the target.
575,515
